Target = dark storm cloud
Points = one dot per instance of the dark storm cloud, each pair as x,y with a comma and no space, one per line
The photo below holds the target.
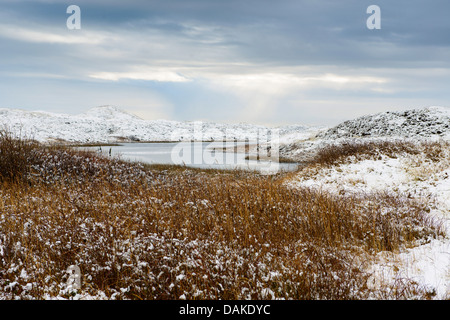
280,32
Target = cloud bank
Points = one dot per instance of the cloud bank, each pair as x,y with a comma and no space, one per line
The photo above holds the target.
234,61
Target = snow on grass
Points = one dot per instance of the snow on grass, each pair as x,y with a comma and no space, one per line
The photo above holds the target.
422,175
175,233
140,232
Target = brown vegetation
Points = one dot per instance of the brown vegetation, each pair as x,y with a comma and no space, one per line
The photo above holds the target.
363,149
162,232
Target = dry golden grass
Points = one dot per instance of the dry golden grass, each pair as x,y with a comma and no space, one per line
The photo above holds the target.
354,149
162,232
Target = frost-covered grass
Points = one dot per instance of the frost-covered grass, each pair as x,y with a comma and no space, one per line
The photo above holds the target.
162,232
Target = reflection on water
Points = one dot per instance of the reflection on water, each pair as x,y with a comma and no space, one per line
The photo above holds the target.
195,154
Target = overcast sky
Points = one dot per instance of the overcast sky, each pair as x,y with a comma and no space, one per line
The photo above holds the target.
264,62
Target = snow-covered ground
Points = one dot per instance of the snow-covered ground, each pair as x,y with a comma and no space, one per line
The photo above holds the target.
427,264
111,124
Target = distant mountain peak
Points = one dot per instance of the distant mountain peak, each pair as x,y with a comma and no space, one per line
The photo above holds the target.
108,112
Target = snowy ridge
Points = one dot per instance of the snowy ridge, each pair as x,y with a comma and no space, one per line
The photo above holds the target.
110,124
425,122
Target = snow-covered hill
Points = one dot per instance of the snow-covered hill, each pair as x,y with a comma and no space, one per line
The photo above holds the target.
110,124
415,124
424,122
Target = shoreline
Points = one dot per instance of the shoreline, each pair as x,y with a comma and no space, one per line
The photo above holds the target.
249,149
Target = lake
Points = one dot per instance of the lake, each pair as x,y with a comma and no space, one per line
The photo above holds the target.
194,154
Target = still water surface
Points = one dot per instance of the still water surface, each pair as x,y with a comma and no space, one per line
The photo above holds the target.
198,154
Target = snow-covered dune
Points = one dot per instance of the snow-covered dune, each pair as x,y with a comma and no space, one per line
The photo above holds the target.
428,121
110,124
415,124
